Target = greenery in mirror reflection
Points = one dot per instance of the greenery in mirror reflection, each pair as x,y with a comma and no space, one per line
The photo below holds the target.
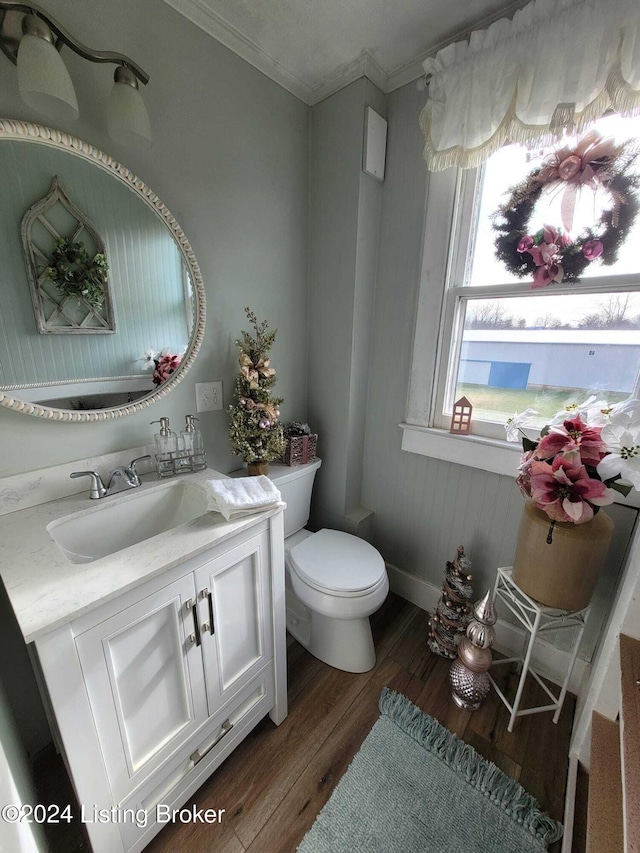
75,273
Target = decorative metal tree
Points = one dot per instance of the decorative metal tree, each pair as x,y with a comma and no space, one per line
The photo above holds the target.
449,622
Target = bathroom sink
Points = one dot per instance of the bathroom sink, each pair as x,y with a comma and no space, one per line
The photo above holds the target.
132,518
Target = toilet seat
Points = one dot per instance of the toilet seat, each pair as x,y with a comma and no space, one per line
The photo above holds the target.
322,560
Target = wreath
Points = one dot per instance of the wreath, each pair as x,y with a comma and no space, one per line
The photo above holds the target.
550,255
74,273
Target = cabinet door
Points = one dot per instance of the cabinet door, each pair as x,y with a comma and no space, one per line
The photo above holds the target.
234,607
145,681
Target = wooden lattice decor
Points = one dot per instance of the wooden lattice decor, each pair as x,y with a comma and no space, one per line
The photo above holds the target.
47,222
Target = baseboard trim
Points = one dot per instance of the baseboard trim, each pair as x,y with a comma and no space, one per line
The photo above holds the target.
547,660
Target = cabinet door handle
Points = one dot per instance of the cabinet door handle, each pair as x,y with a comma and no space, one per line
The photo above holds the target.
198,756
212,624
194,610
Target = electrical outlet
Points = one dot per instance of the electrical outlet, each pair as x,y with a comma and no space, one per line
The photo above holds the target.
208,396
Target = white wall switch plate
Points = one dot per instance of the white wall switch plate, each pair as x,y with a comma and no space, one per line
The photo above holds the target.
208,396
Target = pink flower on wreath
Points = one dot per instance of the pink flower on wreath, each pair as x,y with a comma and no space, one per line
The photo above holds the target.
546,255
573,435
565,491
525,243
593,249
546,273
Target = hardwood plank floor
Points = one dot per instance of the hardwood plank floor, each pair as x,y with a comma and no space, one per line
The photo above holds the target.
275,783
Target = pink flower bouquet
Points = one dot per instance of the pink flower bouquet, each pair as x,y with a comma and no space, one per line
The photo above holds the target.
164,364
570,471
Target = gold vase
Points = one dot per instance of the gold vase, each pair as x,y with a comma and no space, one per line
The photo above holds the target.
254,469
564,572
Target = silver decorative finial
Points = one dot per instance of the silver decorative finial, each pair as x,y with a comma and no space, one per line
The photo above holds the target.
485,610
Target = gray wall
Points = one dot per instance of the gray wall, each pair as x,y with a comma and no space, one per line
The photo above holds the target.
230,160
424,508
345,216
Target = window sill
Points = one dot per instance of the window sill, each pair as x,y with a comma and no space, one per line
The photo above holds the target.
476,451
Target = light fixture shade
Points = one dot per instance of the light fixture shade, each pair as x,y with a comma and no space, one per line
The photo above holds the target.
127,118
43,80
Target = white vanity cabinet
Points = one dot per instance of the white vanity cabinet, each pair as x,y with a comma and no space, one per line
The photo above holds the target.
151,691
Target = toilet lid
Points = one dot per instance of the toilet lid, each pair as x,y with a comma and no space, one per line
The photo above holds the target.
338,562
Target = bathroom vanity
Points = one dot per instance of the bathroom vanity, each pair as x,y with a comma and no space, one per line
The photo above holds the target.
155,660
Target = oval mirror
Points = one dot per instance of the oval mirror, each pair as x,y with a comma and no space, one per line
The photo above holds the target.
87,351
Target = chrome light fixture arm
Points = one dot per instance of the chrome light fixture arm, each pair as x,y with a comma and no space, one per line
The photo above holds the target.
9,45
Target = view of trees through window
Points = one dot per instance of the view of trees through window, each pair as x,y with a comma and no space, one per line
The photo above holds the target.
614,311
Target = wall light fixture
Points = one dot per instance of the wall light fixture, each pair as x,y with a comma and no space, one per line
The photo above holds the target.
32,40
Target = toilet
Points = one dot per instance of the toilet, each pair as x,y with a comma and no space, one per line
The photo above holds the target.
334,581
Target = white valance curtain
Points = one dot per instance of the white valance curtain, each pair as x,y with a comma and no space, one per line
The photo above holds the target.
558,63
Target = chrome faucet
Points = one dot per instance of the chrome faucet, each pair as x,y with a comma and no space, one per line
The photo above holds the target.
121,480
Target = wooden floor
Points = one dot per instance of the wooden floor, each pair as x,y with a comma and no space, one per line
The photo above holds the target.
275,783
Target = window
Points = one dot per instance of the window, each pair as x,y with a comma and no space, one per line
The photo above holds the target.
507,347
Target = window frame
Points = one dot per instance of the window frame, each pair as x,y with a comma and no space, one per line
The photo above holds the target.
452,198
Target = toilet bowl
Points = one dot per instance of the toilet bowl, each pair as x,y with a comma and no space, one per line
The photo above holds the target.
339,580
334,580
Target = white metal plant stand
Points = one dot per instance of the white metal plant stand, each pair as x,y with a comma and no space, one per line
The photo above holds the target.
536,619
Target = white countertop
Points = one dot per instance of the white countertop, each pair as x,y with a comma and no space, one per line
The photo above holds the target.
47,591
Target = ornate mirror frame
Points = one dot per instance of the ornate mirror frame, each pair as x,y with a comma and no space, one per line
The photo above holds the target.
10,129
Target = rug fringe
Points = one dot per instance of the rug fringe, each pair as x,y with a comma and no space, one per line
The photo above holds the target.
484,776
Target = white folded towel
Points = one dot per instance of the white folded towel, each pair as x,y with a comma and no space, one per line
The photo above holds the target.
237,496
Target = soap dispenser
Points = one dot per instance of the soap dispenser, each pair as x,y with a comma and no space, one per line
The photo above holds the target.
193,444
166,448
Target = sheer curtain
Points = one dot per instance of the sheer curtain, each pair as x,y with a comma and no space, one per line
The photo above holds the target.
557,63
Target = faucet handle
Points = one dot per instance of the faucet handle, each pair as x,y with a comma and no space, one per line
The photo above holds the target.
98,489
132,466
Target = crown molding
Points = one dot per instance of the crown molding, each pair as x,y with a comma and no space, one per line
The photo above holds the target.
406,73
228,35
363,66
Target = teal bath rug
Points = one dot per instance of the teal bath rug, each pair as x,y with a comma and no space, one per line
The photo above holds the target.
413,787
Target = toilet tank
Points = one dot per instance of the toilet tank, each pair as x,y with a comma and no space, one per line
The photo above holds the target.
295,484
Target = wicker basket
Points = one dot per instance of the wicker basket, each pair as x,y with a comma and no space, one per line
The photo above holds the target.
300,449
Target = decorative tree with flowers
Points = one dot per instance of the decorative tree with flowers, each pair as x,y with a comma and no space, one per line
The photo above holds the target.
254,427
